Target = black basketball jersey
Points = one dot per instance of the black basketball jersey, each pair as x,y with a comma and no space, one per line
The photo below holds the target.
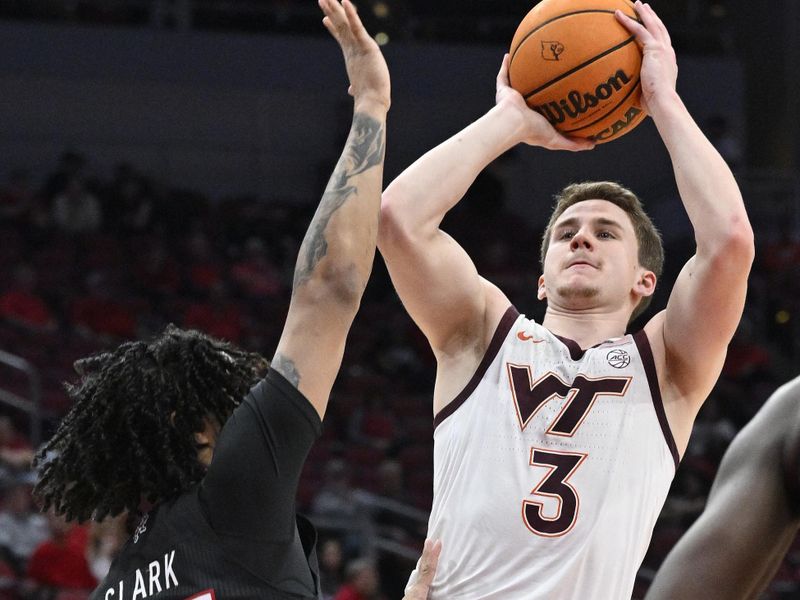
236,535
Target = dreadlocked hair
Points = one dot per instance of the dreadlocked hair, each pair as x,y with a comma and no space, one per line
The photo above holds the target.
129,436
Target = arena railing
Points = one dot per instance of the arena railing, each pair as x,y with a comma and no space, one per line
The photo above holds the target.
32,405
364,529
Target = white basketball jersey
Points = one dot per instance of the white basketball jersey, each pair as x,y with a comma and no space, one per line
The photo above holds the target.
550,469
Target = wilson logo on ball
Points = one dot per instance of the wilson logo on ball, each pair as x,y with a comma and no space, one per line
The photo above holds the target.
577,103
552,50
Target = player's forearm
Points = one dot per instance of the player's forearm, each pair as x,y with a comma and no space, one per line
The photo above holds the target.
419,197
337,252
707,187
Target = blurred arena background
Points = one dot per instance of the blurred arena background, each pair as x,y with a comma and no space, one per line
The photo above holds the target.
160,160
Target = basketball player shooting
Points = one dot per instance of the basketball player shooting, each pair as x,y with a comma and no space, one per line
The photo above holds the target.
752,515
167,431
555,443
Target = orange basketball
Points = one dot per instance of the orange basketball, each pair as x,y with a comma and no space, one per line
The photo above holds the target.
574,63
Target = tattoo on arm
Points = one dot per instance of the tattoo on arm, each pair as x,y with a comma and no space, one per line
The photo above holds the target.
364,149
286,367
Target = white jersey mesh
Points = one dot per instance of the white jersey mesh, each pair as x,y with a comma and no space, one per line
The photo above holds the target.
550,469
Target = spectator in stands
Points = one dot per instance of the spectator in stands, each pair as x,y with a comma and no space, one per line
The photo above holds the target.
60,563
362,581
157,272
205,268
255,274
397,350
373,425
727,143
22,305
76,210
70,164
713,430
106,539
22,528
747,359
779,264
16,452
8,582
781,254
337,506
391,484
331,567
128,201
220,316
17,198
391,523
104,310
337,497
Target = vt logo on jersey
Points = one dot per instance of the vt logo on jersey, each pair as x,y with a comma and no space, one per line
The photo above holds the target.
529,396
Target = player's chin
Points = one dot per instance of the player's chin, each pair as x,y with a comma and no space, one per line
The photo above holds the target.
578,292
583,278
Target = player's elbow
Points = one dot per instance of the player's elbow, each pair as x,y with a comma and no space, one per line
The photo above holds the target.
394,229
334,289
740,241
733,248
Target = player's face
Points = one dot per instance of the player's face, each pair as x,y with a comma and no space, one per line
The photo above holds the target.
205,441
592,260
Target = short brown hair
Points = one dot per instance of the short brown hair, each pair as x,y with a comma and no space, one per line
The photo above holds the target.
651,249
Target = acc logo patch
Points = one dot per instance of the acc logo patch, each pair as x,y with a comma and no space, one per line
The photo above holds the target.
619,359
552,50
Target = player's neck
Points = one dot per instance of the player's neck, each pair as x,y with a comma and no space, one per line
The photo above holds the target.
586,328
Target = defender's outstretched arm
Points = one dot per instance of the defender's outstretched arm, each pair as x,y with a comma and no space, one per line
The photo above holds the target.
336,255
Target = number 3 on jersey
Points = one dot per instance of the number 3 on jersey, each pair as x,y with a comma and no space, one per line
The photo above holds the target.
529,396
555,484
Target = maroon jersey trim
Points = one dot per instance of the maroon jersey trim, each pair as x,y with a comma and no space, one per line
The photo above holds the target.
643,345
575,351
499,336
205,595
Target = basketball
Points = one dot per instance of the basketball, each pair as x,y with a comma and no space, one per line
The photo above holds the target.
576,65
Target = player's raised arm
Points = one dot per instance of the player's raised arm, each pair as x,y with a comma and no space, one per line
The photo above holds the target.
707,301
433,275
751,518
337,252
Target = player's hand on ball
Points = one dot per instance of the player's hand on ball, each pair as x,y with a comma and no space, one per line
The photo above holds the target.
427,570
659,72
537,130
366,67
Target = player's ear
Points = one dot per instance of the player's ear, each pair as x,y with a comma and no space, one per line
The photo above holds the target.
541,292
646,284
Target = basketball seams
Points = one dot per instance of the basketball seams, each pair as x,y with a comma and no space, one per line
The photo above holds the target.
561,16
580,66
